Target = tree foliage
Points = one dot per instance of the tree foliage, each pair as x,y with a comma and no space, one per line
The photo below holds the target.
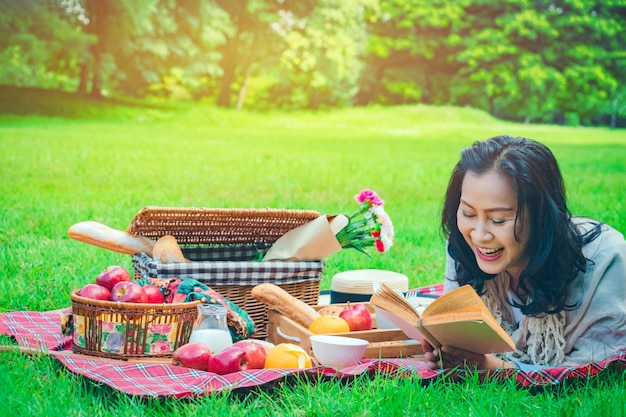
560,61
40,45
322,59
538,60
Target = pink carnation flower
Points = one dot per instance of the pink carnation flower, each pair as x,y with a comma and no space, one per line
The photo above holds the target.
369,195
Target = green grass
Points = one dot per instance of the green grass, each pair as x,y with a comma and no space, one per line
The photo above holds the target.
73,160
39,386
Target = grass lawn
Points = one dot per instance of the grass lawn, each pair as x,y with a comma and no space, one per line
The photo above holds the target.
106,163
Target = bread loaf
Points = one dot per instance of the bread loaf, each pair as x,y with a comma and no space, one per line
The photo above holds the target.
103,236
331,310
280,300
166,249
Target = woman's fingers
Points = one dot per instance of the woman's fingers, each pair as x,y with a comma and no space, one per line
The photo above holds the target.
449,357
463,358
432,356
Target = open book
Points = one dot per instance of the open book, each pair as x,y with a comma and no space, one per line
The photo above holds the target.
458,318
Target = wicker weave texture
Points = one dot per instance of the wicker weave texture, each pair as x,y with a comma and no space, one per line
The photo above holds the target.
230,226
96,320
307,291
217,225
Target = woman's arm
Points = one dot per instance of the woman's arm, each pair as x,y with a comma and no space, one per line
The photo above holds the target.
596,329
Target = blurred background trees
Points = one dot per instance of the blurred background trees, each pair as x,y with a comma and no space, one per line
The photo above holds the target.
554,61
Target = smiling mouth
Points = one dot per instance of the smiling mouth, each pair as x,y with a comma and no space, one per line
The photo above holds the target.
488,254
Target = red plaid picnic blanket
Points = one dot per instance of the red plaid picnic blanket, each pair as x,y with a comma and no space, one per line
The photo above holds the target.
42,331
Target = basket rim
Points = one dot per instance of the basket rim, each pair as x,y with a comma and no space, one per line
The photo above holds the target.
237,211
193,225
130,306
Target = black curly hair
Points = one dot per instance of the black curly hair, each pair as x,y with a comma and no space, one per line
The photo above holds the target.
554,250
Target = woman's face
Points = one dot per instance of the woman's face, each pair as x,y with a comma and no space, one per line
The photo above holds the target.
486,219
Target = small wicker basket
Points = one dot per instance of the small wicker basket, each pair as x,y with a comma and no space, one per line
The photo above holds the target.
206,234
125,331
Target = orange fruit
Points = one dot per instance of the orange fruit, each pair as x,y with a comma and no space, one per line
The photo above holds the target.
287,356
325,324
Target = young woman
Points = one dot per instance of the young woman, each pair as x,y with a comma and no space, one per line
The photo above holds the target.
555,282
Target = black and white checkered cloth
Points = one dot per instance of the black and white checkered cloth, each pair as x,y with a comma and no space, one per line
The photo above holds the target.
229,265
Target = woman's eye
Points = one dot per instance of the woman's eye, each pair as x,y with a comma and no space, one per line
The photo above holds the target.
499,221
465,214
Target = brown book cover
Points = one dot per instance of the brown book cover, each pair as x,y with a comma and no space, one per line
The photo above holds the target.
458,318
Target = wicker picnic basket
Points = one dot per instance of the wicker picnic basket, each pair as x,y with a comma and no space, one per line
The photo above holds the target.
130,330
223,244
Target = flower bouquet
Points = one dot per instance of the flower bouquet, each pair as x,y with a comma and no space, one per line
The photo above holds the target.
368,226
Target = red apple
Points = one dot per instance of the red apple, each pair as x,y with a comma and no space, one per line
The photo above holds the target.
231,359
95,292
111,276
128,292
358,317
255,352
153,294
192,355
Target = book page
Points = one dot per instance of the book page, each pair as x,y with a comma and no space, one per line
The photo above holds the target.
411,330
471,335
387,299
464,297
464,314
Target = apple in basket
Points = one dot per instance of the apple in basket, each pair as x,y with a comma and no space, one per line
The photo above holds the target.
128,292
254,351
231,359
192,355
358,317
153,294
111,276
95,292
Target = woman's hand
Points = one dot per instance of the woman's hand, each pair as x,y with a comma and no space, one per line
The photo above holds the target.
450,357
431,355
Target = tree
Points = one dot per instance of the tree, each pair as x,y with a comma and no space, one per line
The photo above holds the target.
323,59
411,43
589,33
240,42
162,47
98,13
537,60
252,40
40,44
504,60
531,60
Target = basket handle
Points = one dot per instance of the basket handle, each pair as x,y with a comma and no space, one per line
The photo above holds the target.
286,336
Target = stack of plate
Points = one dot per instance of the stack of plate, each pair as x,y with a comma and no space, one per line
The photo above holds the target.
358,285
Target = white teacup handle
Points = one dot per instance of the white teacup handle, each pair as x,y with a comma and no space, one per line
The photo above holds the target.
286,336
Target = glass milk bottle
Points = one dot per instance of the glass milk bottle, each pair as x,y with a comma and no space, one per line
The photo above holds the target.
211,328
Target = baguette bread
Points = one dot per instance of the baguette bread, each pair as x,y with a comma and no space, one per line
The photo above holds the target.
166,249
280,300
103,236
